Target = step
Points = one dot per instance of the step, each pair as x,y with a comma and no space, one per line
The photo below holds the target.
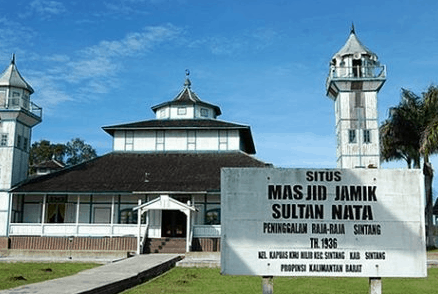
166,245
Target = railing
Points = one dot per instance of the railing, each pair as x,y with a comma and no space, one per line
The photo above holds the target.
356,73
207,231
82,230
99,230
21,103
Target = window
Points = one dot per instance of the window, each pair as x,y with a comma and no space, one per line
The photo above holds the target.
25,143
357,71
352,136
129,140
102,215
182,111
162,113
366,136
2,98
204,112
4,140
191,140
55,209
18,143
223,140
160,140
213,216
128,216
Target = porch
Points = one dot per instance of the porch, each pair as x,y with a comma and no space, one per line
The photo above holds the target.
82,222
100,238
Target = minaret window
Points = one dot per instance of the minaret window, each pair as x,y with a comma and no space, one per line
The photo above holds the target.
366,136
18,143
357,63
352,136
25,143
4,140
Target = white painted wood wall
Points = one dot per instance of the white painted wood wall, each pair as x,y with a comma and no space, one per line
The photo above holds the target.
177,140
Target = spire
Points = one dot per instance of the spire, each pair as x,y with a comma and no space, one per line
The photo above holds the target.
187,97
353,45
12,77
187,83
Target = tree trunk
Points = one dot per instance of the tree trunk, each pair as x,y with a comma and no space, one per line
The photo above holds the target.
428,176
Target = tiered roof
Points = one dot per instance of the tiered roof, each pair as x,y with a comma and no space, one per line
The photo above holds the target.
120,172
11,77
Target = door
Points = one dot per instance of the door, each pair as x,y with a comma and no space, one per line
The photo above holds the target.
174,224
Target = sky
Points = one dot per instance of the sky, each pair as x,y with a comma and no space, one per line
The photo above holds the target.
264,63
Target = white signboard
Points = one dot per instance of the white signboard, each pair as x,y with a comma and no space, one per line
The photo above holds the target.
344,222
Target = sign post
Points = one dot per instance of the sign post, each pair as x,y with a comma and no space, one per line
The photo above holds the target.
268,285
323,222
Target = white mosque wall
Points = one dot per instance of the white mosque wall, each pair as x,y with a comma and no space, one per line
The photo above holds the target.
177,140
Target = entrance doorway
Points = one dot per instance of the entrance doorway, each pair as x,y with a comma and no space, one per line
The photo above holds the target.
174,224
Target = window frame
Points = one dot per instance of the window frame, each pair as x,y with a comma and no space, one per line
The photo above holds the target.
4,138
352,137
367,136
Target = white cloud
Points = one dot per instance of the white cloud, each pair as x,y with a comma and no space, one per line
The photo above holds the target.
49,93
13,35
46,8
124,8
96,67
134,43
241,43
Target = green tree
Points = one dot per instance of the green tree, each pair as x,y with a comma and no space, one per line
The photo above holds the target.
43,150
428,147
78,151
74,152
411,134
400,134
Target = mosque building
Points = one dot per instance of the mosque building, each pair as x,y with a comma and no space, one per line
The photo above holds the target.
159,188
167,168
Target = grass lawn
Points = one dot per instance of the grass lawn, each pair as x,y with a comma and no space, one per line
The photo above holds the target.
21,273
206,280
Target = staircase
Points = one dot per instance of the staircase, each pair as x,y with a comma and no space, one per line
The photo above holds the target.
165,245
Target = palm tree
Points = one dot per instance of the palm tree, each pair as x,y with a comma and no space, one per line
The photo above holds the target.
400,134
428,147
411,133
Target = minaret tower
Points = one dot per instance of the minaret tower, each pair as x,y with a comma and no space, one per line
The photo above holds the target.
17,117
355,78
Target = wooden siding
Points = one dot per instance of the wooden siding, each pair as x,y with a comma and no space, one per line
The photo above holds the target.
206,244
75,243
